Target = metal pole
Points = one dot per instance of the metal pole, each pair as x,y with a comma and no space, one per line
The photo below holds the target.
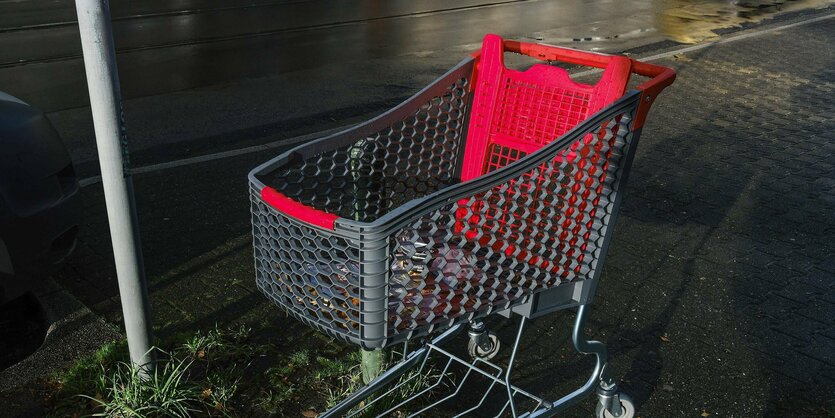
106,103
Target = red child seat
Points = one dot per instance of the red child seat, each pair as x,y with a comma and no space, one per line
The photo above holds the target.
515,113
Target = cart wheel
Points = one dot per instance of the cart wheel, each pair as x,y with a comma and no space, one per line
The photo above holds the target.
479,352
626,405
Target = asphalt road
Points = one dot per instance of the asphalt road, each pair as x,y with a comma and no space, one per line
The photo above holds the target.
197,76
163,50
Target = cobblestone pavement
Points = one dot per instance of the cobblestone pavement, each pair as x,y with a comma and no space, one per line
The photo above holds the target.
718,294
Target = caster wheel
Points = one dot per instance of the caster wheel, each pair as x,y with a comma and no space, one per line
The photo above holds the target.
478,352
626,405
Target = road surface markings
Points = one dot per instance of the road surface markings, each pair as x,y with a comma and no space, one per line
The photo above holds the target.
285,142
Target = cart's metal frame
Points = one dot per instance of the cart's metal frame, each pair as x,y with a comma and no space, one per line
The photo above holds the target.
600,380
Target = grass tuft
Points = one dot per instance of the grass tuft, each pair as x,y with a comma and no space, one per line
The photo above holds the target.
166,392
218,372
199,377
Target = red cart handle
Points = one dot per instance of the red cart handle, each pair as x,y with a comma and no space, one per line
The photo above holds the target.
661,77
298,210
555,53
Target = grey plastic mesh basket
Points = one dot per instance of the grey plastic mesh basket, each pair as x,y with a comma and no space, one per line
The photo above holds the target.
370,236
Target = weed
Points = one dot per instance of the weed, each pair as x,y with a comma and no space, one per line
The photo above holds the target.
200,344
395,400
219,372
300,358
347,383
200,376
86,376
334,367
302,373
166,392
223,386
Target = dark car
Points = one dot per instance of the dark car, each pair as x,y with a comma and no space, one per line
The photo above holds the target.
39,201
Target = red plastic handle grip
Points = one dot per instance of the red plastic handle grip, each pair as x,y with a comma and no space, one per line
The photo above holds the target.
297,210
662,77
555,53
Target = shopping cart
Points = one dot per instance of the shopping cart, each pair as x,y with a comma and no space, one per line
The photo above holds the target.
489,191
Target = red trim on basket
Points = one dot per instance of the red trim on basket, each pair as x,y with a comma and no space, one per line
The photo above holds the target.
661,78
297,210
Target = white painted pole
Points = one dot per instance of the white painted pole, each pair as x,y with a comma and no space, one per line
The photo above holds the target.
106,103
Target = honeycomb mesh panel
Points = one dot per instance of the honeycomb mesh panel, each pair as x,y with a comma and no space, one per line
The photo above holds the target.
311,274
539,113
412,158
490,251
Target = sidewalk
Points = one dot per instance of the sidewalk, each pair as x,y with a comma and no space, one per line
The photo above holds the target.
718,293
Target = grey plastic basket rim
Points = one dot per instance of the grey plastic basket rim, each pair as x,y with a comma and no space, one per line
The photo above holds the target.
351,134
401,215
